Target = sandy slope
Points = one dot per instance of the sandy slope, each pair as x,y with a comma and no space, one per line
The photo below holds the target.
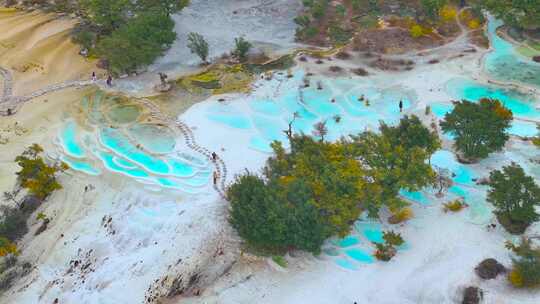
38,50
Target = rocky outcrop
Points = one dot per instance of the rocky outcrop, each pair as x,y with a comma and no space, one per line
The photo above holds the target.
472,295
489,269
536,58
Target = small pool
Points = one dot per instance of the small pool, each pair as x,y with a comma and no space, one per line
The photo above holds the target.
360,255
115,141
154,138
415,196
70,142
521,105
81,166
122,114
505,63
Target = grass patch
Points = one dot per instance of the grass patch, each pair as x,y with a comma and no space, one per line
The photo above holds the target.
280,260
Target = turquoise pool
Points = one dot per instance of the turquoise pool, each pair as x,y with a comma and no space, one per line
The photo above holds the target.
70,141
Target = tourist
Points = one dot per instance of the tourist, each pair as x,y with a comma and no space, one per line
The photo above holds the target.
94,77
109,80
215,178
214,156
400,105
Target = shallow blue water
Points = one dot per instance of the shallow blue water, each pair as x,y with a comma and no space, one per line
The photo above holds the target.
360,255
82,166
505,63
70,142
260,144
348,241
155,139
119,144
521,105
346,264
415,196
267,107
109,163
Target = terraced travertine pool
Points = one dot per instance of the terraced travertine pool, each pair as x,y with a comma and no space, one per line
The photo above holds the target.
115,140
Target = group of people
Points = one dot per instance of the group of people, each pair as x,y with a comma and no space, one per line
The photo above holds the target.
109,79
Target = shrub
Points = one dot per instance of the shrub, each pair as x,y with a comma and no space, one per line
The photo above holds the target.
479,128
386,251
454,206
416,31
402,215
525,266
515,196
448,13
13,224
7,247
280,260
35,175
242,47
198,45
473,24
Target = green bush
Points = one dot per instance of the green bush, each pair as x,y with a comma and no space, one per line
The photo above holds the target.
479,128
138,43
242,47
515,196
525,266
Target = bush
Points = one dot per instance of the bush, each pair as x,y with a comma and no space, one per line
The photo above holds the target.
416,31
7,247
448,13
35,175
479,128
280,260
515,196
525,266
400,216
242,47
386,251
138,43
197,45
85,38
13,224
454,206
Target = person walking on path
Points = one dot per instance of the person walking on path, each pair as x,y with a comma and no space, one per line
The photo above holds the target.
215,178
109,80
94,77
400,105
214,156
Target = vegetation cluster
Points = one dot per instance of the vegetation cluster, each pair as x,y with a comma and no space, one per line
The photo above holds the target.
319,188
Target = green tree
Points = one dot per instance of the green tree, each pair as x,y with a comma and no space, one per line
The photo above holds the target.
479,128
395,159
35,175
524,14
515,196
138,42
197,45
305,197
432,7
169,6
526,265
108,15
241,48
